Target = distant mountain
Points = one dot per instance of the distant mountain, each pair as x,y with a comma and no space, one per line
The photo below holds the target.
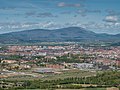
115,44
58,35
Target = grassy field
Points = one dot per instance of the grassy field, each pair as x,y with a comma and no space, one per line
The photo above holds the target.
69,73
111,88
64,74
70,89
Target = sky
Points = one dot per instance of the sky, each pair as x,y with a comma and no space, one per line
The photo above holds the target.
100,16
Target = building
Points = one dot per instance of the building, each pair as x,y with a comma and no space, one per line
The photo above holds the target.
83,65
44,70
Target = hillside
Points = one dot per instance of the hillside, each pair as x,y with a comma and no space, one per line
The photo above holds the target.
57,35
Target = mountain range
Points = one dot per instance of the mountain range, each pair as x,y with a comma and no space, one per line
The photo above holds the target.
75,34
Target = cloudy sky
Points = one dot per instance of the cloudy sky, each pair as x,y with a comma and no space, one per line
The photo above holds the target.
101,16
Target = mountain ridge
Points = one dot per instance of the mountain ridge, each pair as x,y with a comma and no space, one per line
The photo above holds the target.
76,34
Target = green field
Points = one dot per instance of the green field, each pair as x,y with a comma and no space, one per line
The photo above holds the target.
85,89
64,74
69,73
69,89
